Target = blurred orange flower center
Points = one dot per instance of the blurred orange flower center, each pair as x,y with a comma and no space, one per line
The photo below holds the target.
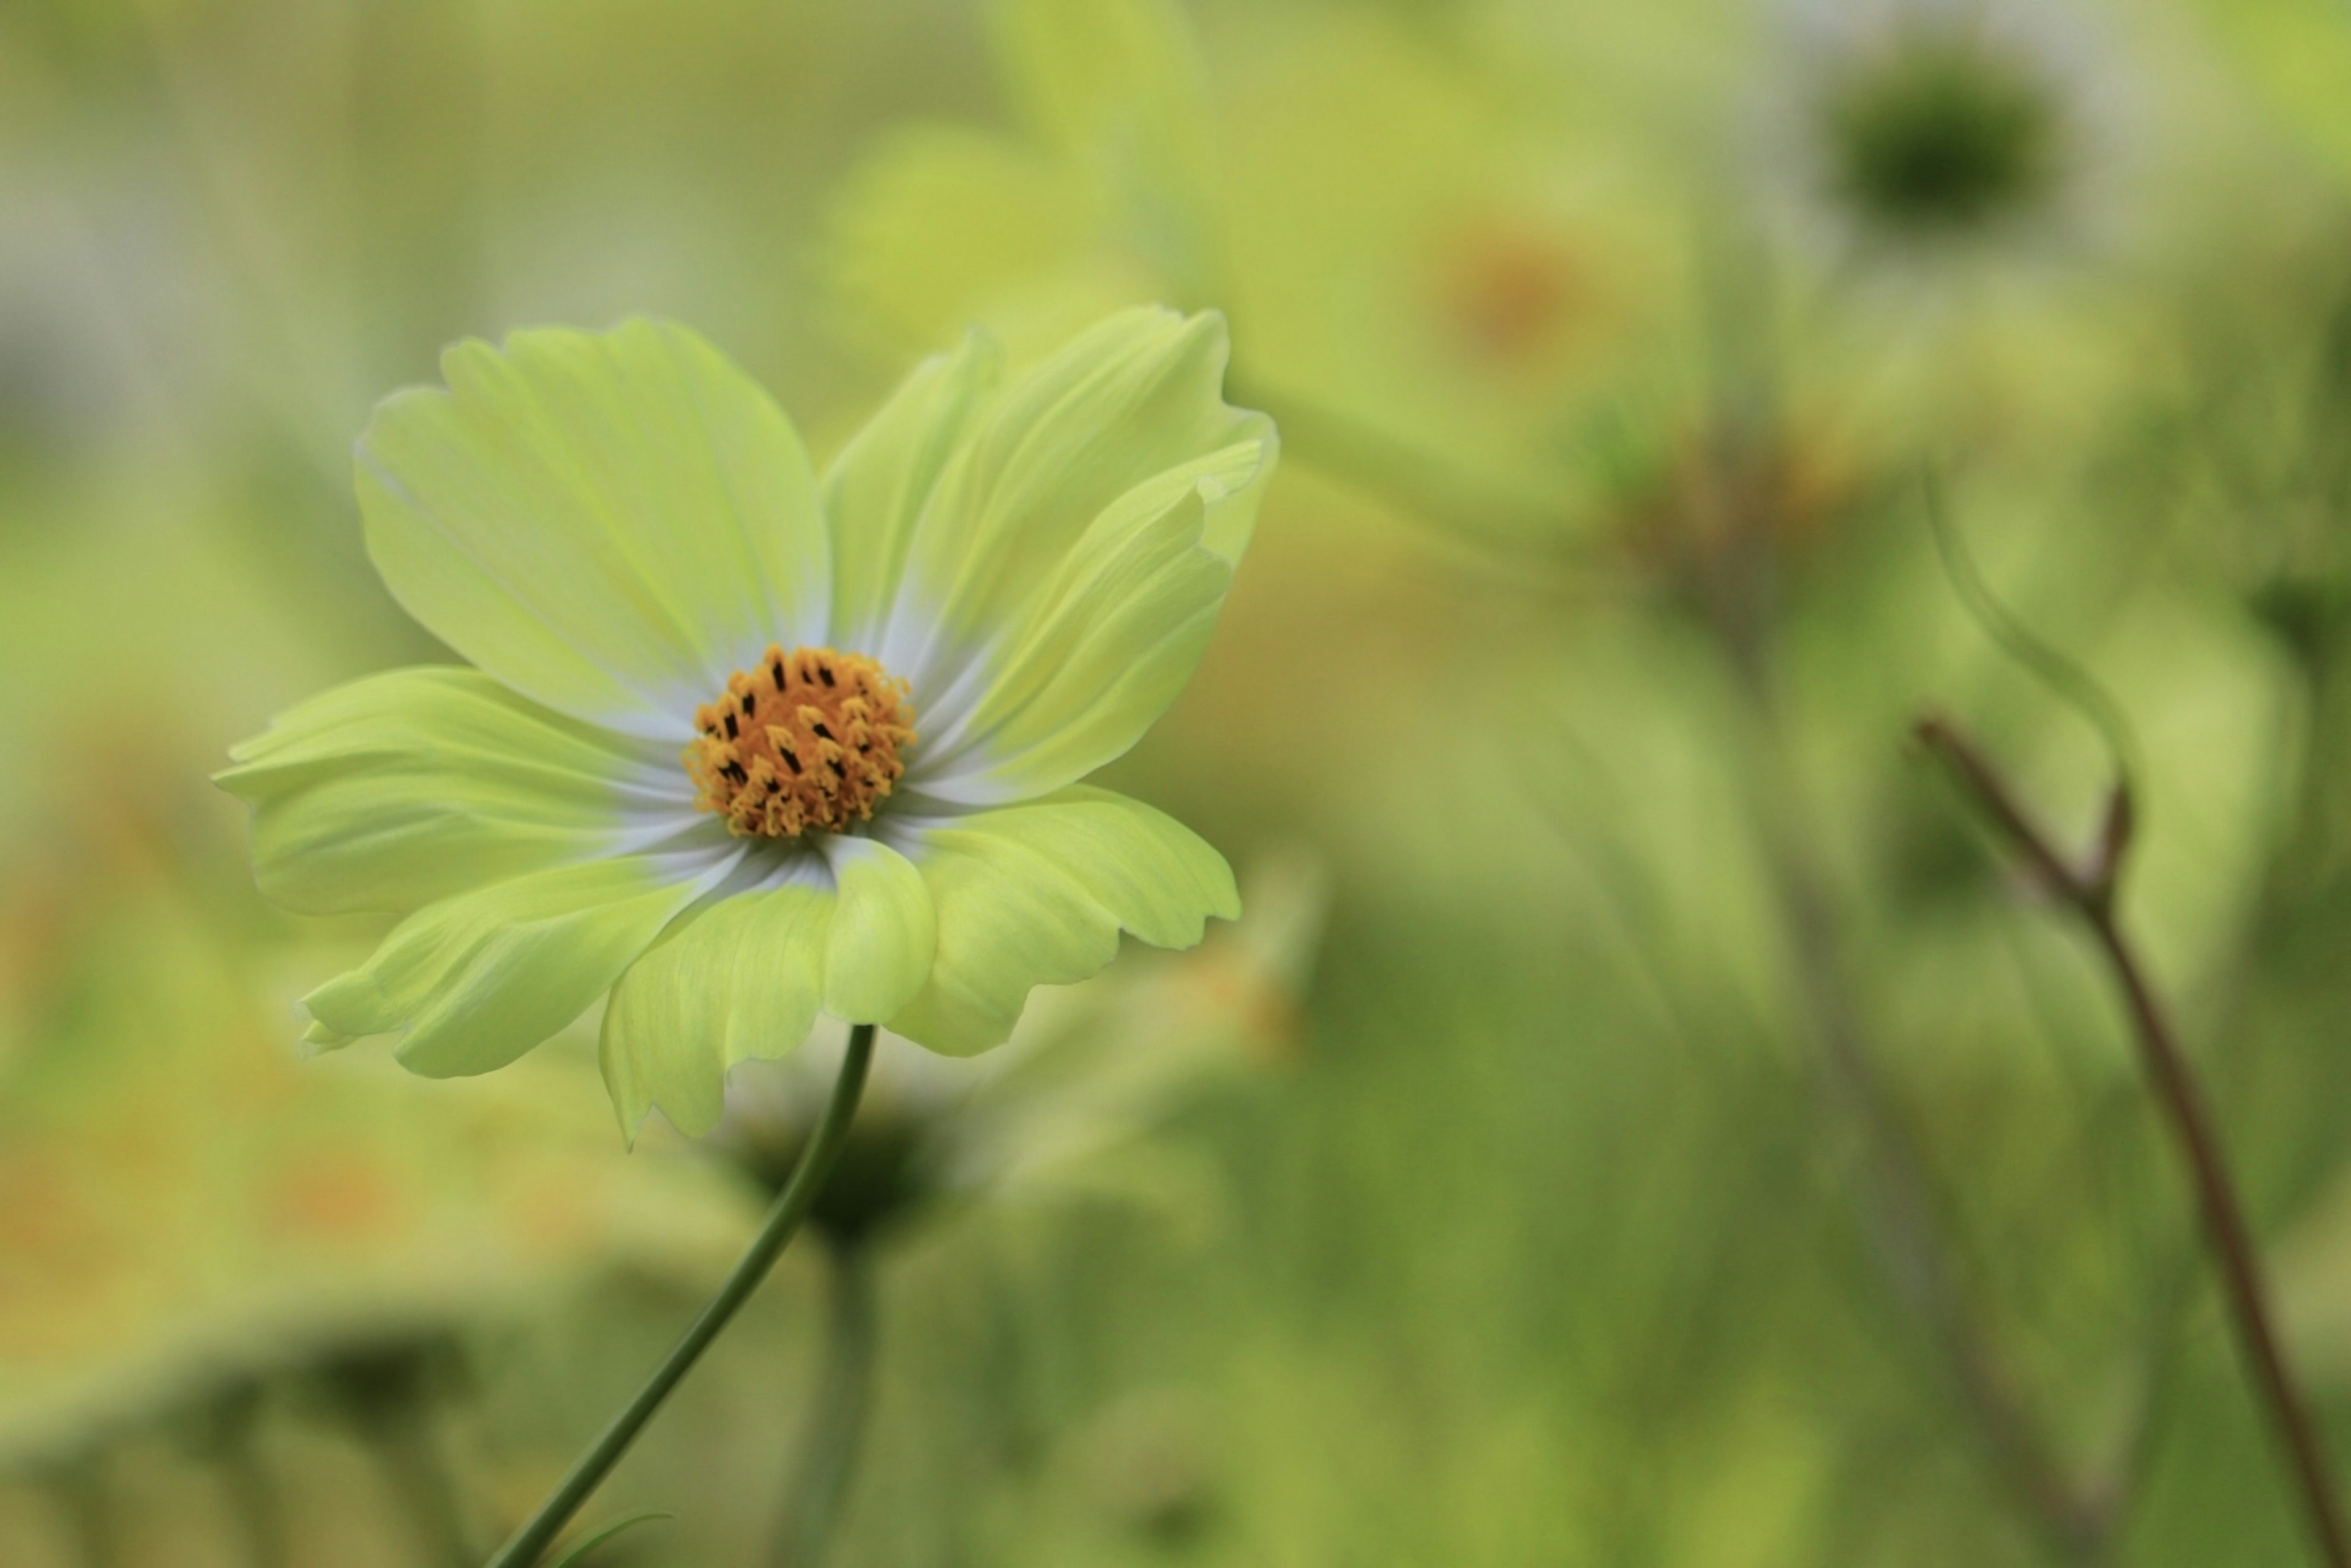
805,739
1508,294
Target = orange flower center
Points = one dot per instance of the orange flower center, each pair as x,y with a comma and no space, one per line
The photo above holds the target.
806,740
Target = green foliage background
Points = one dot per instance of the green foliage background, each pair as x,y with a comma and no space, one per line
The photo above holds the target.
1578,651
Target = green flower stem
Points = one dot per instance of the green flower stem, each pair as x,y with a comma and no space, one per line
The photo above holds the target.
829,1456
2088,889
1896,1200
791,1207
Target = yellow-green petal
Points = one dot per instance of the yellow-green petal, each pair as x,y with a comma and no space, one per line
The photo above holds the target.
876,490
1134,398
883,935
394,791
739,976
1108,643
472,982
610,523
1038,893
318,1039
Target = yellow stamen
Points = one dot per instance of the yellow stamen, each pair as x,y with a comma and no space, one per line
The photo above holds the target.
805,739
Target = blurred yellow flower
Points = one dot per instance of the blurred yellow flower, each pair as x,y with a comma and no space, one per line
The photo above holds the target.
1403,245
182,1206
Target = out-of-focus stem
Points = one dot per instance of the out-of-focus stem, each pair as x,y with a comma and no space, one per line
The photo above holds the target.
1895,1197
829,1456
2089,892
1901,1221
783,1221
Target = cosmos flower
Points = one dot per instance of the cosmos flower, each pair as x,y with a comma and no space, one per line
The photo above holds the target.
741,746
1939,124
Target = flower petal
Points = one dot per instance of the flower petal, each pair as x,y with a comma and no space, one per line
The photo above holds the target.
1109,643
1134,398
883,935
475,980
407,786
739,976
609,523
875,491
1036,894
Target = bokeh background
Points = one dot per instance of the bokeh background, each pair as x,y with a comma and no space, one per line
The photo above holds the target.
1639,1120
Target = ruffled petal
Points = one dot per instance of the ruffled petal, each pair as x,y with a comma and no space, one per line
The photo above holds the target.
405,788
609,523
883,935
474,981
1130,401
1037,894
1108,642
739,976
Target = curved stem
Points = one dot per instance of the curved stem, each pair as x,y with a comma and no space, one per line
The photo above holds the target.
830,1457
791,1207
2089,892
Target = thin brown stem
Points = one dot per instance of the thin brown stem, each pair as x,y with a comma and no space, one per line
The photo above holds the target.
2088,890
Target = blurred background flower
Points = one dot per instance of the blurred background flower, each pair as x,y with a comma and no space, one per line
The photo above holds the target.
1931,123
1411,261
